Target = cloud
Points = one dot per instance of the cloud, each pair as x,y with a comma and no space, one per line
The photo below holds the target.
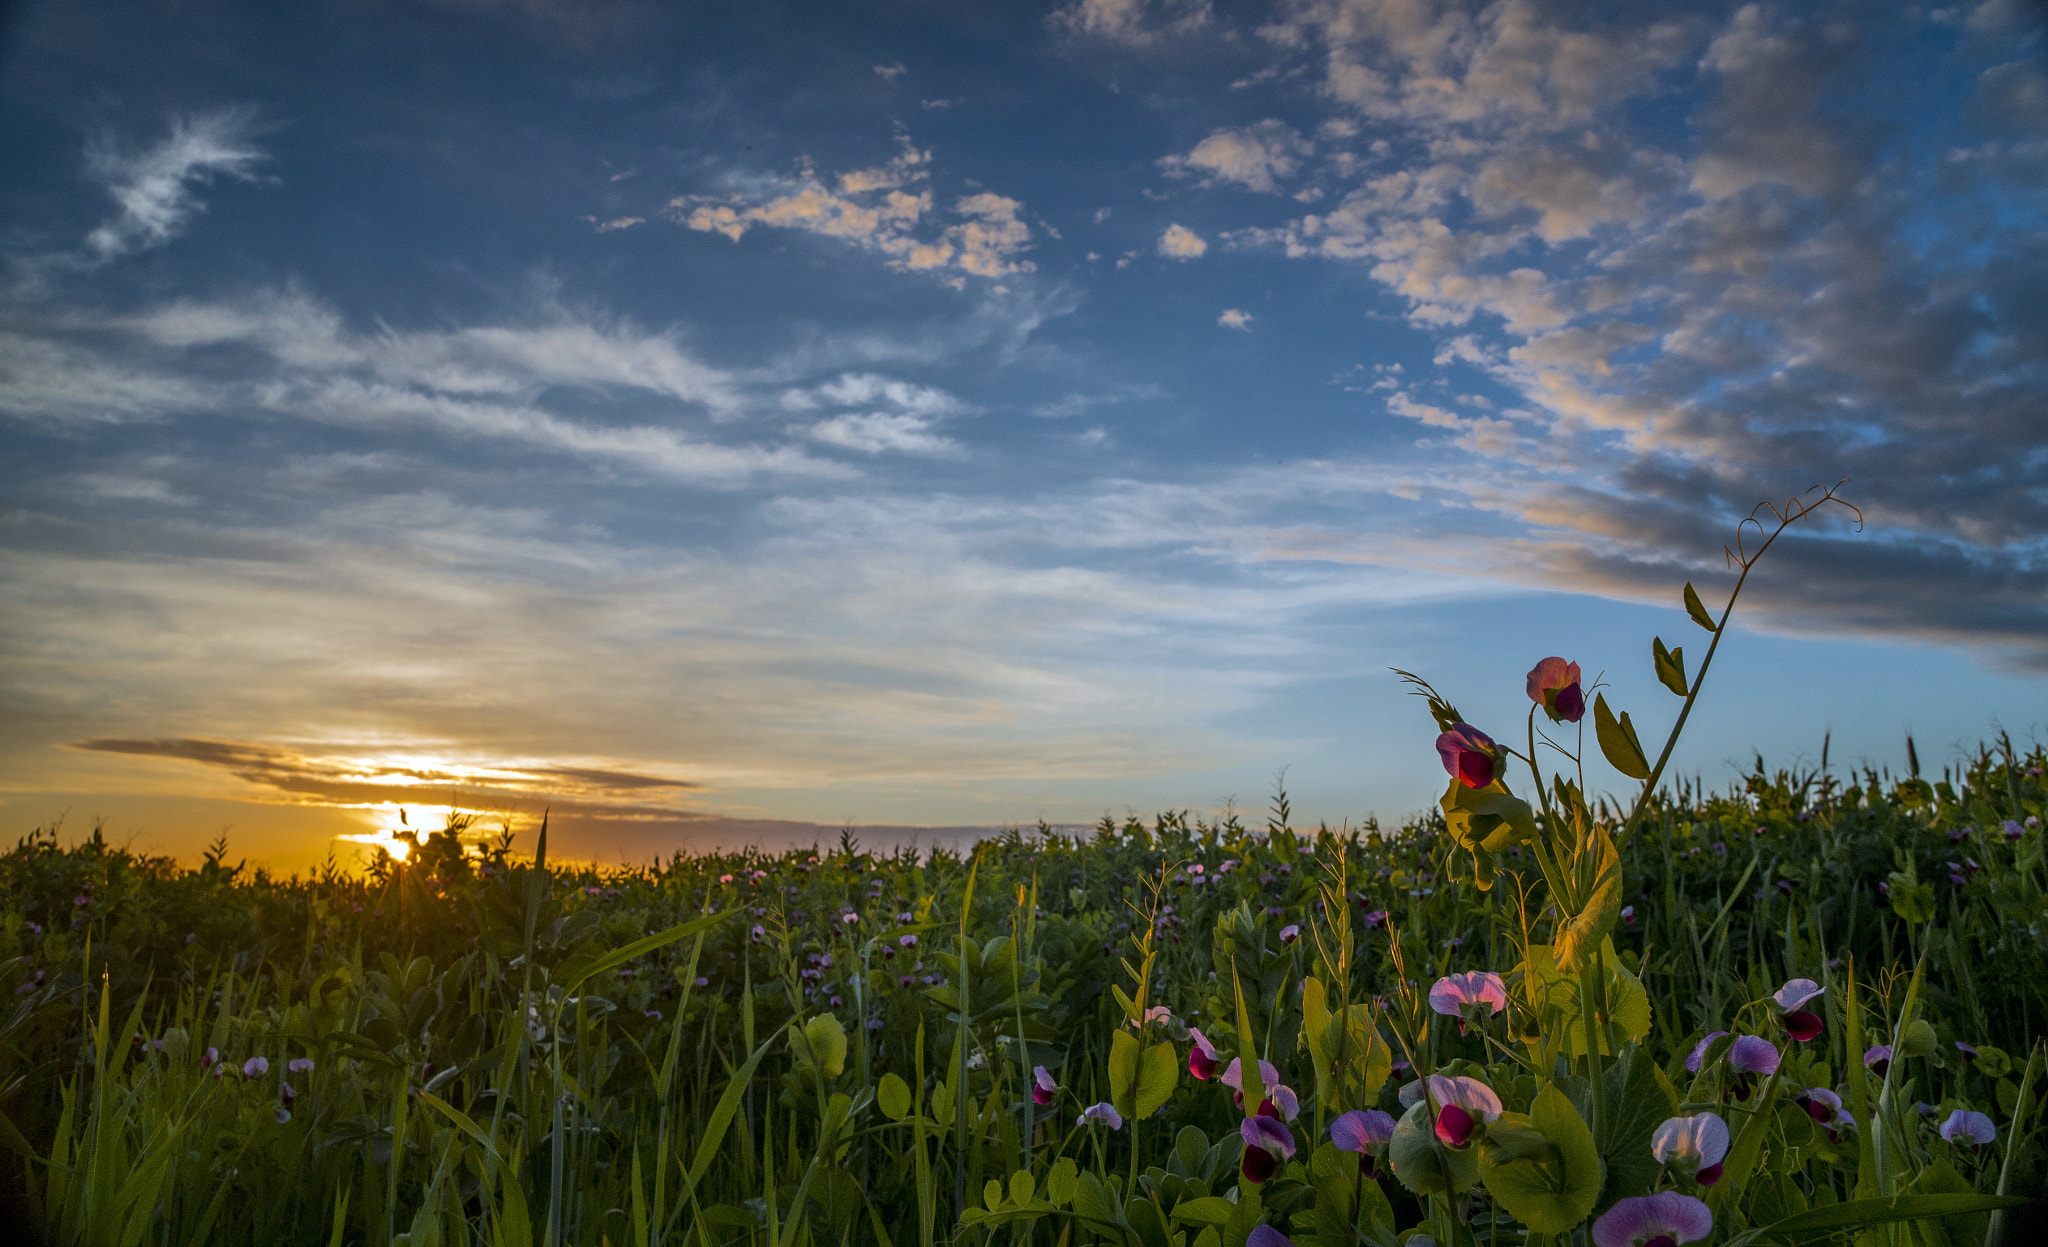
1233,318
1256,157
892,70
1181,243
155,187
1133,23
882,209
874,432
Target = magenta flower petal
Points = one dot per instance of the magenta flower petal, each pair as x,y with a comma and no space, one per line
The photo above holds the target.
1467,754
1554,685
1570,703
1454,992
1802,1025
1365,1132
1043,1088
1475,1097
1455,1126
1878,1058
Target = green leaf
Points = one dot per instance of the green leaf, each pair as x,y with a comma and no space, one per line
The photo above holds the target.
893,1094
1358,1060
1123,1072
1424,1165
1158,1072
1548,1173
1205,1210
1486,821
1698,610
1627,1001
1857,1213
823,1044
1618,740
1059,1184
1576,939
1670,665
571,974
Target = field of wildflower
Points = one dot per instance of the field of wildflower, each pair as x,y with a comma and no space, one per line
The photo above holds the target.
1805,1009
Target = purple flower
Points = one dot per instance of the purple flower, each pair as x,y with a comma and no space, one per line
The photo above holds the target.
1751,1058
1967,1051
1554,685
1464,1105
300,1065
1267,1236
254,1067
702,981
907,941
1203,1057
1043,1088
1104,1113
2013,830
1699,1052
1268,1144
1664,1219
1467,754
1965,1127
1878,1058
1375,918
1290,933
1366,1133
207,1058
1628,915
1693,1146
1471,997
1800,1023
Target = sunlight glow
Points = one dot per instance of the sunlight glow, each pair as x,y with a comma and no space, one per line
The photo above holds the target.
383,839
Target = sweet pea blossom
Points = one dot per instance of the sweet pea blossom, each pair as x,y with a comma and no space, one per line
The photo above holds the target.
300,1065
1203,1057
1963,1126
1267,1236
1105,1113
1751,1058
1554,685
1878,1058
1043,1088
1800,1023
1467,754
1464,1105
255,1067
1366,1133
1664,1219
1471,997
1699,1052
1157,1013
1692,1145
1290,933
1268,1144
207,1058
1825,1107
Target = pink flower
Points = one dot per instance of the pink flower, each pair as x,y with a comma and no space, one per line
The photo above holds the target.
1043,1088
1464,1105
1203,1057
907,941
1965,1127
1825,1107
1468,755
1375,918
1268,1144
1554,685
1692,1145
1366,1133
1800,1023
1470,997
1663,1220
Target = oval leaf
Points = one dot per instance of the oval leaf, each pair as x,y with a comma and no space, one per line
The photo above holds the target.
1618,740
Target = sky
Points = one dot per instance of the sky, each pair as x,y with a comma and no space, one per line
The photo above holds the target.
722,424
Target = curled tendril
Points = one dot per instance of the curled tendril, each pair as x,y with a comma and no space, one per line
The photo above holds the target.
1794,510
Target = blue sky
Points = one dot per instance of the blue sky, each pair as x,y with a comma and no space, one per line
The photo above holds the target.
711,421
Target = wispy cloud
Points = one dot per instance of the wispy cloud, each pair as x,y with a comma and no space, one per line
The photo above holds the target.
1133,23
156,187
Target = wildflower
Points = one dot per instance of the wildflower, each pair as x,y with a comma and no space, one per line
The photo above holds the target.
1554,685
1467,754
1799,1023
874,1024
905,980
285,1092
1693,1146
907,941
1464,1106
2034,820
1628,915
254,1067
281,1114
758,932
1290,933
1471,998
1720,848
300,1065
1366,1133
81,900
1197,868
1157,1013
1104,1113
703,981
1203,1057
1825,1107
1966,1127
2013,830
1751,1058
1043,1088
654,1015
1267,1236
725,878
1664,1219
1878,1059
1375,918
836,1002
849,919
1967,1051
1268,1144
1761,829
